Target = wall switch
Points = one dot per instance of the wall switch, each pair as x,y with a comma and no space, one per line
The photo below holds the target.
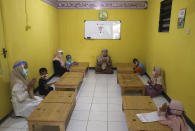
188,31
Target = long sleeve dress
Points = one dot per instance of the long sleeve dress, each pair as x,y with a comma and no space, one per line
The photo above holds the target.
23,105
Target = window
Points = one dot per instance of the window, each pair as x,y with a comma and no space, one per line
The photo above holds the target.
165,15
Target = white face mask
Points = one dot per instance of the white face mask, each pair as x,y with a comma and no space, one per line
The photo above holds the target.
24,71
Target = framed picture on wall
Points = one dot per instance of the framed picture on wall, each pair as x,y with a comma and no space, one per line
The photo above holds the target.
181,19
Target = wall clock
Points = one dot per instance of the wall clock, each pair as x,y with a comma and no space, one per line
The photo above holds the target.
103,15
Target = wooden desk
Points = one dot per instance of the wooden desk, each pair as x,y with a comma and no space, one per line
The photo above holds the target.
138,103
131,83
50,114
73,75
64,84
134,124
124,68
81,67
68,97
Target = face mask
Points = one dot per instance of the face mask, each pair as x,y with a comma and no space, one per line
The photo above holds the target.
44,76
153,73
25,72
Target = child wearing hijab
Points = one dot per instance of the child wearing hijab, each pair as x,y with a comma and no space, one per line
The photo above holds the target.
139,67
58,64
156,84
172,116
43,87
69,62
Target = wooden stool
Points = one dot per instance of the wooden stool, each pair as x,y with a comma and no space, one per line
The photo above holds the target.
134,124
138,103
124,68
132,84
50,114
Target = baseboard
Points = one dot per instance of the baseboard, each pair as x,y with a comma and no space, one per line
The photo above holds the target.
4,118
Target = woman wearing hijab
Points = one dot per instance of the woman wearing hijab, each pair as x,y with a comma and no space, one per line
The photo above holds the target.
104,63
58,64
172,116
23,100
156,84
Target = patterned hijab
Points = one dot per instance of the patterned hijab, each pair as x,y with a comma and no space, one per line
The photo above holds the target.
17,75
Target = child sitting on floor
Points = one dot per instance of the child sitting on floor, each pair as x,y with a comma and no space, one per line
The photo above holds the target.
172,116
43,87
156,84
69,62
139,68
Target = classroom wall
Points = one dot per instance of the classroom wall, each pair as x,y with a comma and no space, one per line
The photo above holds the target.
174,52
71,35
37,46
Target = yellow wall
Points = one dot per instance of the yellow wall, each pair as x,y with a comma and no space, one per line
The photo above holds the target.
174,52
71,31
37,46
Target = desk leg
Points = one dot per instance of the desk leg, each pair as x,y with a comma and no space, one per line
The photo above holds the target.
123,91
143,92
62,127
30,126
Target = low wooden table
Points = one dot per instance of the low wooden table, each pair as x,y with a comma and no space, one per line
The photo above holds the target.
131,83
50,114
68,97
138,103
124,68
81,67
134,124
73,75
64,84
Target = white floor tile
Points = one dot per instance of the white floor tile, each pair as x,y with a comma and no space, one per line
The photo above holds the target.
116,116
86,94
80,115
99,107
96,126
5,123
10,129
114,107
117,126
84,99
115,101
17,123
100,94
114,95
98,116
100,100
75,125
82,106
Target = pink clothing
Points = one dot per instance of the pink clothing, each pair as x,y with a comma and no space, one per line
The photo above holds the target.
175,120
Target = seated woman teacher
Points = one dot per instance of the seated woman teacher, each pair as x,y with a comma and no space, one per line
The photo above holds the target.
23,100
104,63
58,64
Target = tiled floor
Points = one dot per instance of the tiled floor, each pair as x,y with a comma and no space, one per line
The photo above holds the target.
98,108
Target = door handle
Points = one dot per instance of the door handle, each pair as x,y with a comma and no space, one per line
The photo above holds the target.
4,52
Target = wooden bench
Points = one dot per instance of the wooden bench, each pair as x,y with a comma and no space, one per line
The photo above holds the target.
50,114
131,83
124,68
68,84
134,124
81,67
138,103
